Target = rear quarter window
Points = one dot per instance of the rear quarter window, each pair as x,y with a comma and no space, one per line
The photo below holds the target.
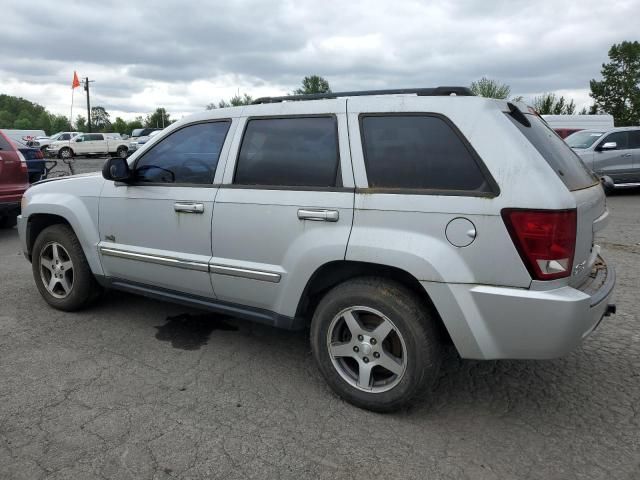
420,152
561,158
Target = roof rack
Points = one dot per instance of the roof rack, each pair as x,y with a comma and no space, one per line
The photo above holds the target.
421,92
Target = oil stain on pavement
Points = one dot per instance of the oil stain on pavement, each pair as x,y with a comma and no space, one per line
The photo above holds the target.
191,331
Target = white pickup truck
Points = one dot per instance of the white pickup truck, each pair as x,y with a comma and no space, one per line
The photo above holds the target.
90,144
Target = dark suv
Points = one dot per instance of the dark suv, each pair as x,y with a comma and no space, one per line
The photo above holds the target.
14,181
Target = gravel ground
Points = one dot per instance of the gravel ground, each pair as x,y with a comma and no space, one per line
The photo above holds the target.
139,389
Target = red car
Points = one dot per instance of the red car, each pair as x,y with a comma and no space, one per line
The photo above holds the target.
14,180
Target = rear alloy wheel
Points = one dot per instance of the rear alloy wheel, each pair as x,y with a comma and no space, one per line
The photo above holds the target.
376,343
61,271
123,152
66,153
367,350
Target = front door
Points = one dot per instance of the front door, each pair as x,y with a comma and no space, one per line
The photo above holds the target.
617,163
156,231
285,207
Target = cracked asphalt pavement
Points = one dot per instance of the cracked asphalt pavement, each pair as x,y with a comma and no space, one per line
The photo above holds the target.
138,389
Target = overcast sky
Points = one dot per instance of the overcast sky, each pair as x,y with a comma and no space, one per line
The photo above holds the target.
183,55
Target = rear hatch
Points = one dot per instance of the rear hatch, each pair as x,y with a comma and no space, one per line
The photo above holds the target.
592,214
13,172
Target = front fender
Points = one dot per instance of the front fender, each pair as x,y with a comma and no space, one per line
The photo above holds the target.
81,212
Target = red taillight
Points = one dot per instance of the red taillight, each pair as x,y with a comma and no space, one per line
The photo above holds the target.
23,162
545,239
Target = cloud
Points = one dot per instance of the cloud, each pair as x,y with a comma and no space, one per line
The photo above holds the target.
182,55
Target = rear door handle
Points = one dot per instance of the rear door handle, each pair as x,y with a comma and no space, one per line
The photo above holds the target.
626,155
318,215
188,207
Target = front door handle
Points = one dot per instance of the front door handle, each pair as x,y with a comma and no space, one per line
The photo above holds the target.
626,155
318,215
188,207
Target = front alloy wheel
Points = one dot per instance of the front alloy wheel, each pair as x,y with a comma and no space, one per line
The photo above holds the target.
61,270
56,270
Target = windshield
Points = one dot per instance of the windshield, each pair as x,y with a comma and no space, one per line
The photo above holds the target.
583,139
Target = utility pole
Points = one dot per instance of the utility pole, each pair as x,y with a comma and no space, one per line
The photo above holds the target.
86,82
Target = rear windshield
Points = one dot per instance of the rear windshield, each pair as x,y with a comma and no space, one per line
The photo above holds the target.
564,161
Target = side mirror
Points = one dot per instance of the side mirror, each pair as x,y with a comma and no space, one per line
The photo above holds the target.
117,170
609,146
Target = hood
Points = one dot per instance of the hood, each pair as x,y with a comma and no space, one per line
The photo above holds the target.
68,178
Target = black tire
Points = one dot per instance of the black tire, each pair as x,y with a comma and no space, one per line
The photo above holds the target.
8,221
65,149
85,289
123,152
412,318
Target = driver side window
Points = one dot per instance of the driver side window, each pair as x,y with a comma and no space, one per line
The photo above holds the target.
188,155
619,137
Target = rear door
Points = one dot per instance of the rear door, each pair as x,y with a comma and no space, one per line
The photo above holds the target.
618,163
286,205
96,143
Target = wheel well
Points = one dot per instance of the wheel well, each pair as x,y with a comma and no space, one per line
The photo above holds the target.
334,273
37,223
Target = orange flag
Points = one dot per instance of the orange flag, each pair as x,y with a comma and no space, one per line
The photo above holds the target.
76,82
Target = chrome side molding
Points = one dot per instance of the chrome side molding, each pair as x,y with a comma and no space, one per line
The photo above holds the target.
191,265
245,273
158,259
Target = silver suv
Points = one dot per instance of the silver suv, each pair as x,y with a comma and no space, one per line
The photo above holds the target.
390,222
614,153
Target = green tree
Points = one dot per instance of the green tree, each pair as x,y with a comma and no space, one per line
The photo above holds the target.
550,104
22,124
44,123
120,126
158,119
100,121
488,88
135,123
6,119
81,123
618,93
59,123
313,84
236,101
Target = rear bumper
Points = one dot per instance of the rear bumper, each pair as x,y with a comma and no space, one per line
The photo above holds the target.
487,322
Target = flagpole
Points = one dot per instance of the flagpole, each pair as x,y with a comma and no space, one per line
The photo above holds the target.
71,113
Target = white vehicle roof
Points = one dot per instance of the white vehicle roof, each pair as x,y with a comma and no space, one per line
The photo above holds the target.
585,122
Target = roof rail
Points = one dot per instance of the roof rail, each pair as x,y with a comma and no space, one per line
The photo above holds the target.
421,92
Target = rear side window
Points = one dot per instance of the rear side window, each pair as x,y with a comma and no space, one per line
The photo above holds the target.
564,161
188,155
634,139
418,152
300,151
